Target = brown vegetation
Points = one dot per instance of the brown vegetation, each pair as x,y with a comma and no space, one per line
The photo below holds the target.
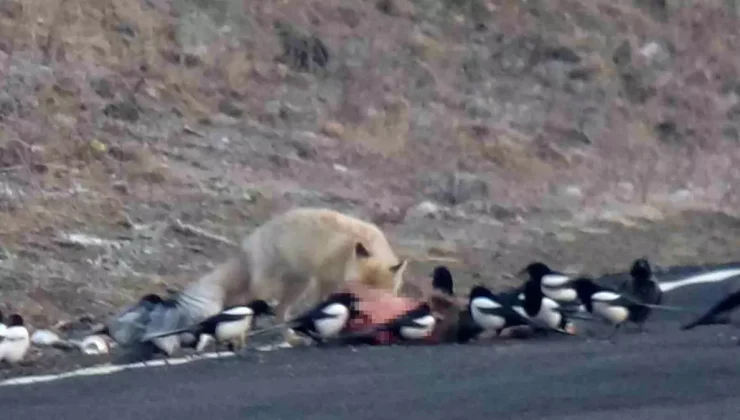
121,119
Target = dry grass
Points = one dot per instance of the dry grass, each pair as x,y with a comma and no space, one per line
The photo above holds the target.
115,108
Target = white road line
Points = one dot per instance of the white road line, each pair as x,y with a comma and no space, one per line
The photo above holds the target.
710,277
107,369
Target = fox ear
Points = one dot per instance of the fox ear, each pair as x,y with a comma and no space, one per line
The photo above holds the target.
396,268
361,251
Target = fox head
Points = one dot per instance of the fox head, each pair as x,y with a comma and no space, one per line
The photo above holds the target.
376,271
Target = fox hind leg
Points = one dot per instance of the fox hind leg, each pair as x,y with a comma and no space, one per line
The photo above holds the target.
294,289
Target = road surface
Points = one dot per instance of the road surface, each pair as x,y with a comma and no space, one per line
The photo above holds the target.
662,374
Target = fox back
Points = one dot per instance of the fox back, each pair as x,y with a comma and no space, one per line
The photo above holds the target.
300,248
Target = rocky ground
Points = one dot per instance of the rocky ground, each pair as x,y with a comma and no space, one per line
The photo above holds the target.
139,140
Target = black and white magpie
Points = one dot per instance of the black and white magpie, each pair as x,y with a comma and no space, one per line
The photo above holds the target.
15,340
544,312
325,321
718,314
231,326
413,325
442,280
459,326
555,285
610,306
491,312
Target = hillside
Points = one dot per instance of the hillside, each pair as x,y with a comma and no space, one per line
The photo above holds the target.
139,139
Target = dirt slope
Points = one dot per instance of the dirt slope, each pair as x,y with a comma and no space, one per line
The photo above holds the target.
486,133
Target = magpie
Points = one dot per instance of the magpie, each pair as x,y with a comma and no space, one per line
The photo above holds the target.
643,288
542,311
610,306
15,340
719,313
555,285
128,328
131,320
230,325
456,324
467,328
413,325
491,312
442,280
326,320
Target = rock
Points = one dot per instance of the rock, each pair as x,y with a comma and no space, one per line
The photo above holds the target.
565,236
302,52
554,74
425,46
477,108
566,198
386,213
102,87
123,110
7,105
657,8
94,345
333,129
559,53
668,132
636,88
681,196
121,187
282,111
11,9
396,8
423,210
127,30
228,107
221,120
303,149
625,190
455,187
350,16
565,136
491,208
573,192
654,52
622,56
731,134
43,338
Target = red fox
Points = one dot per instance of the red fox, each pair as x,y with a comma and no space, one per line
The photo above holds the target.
300,251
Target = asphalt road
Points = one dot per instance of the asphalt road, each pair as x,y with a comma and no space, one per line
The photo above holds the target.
662,374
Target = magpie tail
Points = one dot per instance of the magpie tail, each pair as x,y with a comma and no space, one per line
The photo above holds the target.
270,328
576,314
709,319
668,307
152,336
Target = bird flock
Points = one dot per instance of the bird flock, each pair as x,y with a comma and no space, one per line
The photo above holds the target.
547,301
